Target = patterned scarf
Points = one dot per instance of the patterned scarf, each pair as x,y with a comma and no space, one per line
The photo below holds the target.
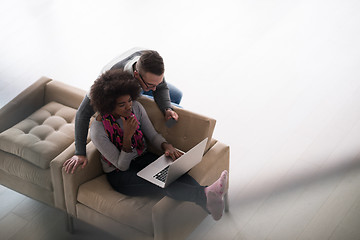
115,134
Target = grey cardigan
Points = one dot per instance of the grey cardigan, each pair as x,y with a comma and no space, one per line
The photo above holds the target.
85,110
122,159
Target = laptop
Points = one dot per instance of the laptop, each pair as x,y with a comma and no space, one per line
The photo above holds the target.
164,170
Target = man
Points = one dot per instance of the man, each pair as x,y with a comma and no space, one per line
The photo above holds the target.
147,67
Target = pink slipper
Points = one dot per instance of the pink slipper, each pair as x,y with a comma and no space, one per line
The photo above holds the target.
215,196
215,205
219,186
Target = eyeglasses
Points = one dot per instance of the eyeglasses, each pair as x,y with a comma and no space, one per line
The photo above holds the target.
148,85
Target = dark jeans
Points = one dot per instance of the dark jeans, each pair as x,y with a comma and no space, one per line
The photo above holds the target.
127,182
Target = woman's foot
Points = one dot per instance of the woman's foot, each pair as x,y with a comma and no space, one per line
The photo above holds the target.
215,205
219,186
215,196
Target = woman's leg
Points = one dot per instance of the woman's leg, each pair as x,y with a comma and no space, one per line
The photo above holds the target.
187,188
210,198
183,189
127,182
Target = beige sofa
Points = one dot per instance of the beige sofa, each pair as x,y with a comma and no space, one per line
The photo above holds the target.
89,197
39,137
36,128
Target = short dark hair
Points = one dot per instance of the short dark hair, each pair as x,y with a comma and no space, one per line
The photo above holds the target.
111,85
151,61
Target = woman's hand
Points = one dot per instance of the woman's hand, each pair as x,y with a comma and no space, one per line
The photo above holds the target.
170,151
130,125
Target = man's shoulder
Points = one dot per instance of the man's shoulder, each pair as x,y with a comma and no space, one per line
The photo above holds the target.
132,52
120,61
135,54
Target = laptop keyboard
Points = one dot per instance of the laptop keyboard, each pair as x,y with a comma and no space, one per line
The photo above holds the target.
162,174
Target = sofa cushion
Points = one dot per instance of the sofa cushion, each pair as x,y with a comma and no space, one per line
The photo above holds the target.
42,136
134,212
16,166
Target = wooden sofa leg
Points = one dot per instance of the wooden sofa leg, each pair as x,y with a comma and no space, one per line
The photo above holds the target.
226,200
69,223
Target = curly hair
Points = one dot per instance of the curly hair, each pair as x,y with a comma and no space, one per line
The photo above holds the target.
110,86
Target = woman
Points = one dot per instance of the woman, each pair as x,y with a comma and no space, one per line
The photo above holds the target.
118,133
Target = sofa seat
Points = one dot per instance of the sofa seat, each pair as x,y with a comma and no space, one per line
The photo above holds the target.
42,136
133,212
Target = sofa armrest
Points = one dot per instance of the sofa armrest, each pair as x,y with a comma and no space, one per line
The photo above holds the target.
81,175
56,168
176,220
29,100
213,163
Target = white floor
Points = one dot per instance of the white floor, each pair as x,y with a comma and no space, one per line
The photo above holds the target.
282,78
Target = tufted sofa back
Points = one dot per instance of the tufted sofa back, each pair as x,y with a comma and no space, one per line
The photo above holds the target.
62,93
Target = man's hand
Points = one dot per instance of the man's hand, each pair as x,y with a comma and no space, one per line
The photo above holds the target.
71,164
169,113
170,151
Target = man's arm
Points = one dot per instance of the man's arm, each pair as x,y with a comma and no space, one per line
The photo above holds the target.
162,96
82,120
